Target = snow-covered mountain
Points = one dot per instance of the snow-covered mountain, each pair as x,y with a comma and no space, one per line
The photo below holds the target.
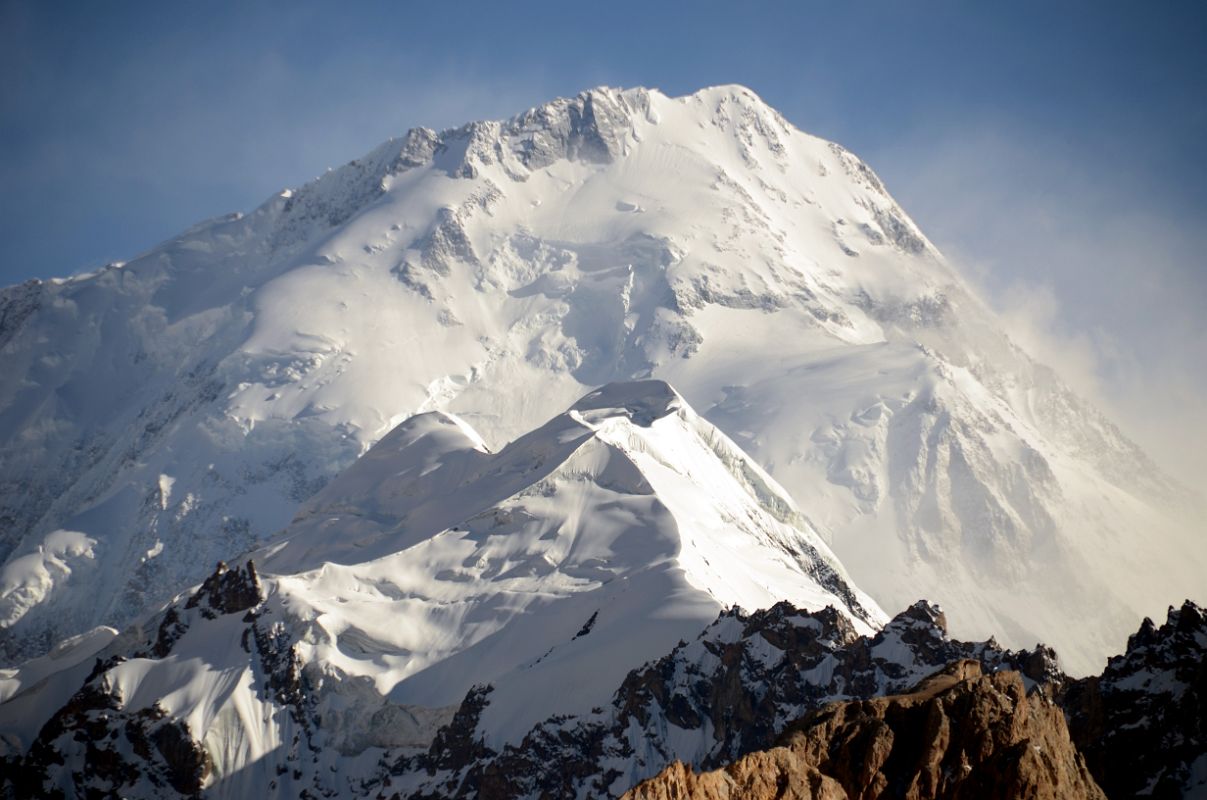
160,415
546,572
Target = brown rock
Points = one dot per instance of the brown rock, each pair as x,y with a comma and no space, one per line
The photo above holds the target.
959,734
776,773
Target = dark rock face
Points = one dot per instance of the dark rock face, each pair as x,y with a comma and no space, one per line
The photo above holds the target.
455,744
228,591
105,750
1142,724
186,761
225,591
101,748
959,734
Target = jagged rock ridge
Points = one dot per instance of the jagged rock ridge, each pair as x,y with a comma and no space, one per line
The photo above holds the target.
1142,723
728,692
732,692
959,733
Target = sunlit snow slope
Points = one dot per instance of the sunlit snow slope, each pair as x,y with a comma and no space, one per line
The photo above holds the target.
547,570
162,414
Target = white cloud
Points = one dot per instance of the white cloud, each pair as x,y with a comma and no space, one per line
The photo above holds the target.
1095,272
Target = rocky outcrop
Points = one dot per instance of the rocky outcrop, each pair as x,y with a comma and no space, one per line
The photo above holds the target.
778,703
228,591
777,773
591,127
225,591
98,745
960,733
729,692
1142,724
95,747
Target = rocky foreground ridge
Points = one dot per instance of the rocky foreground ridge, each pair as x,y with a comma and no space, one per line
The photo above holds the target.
1137,730
777,703
1142,723
728,692
959,733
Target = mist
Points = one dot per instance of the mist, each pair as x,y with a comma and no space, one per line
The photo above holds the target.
1093,268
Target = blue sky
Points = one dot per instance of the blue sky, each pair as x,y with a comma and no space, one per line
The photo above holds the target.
1057,149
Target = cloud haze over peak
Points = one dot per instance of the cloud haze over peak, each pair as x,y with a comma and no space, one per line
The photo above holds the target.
1094,274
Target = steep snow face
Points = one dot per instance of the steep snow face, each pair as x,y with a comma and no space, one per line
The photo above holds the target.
547,571
162,414
432,565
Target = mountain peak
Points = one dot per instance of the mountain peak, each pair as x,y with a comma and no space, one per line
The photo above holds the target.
597,126
499,271
641,402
